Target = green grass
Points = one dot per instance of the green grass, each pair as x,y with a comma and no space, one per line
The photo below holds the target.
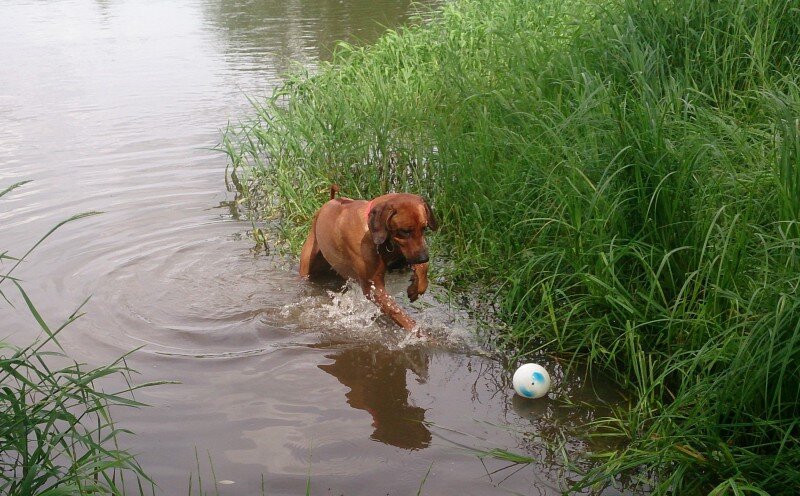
57,437
624,176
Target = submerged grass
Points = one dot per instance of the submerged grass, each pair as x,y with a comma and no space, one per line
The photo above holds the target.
626,176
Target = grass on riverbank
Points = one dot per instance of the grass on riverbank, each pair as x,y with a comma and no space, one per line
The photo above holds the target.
57,437
626,173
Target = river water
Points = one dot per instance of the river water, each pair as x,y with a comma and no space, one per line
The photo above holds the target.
115,106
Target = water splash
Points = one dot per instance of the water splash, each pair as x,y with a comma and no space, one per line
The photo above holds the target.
346,314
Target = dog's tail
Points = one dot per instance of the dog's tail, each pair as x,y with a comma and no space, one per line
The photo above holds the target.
334,190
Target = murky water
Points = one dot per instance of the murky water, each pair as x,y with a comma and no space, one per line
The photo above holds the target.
113,106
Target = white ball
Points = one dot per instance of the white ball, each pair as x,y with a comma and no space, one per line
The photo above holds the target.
531,380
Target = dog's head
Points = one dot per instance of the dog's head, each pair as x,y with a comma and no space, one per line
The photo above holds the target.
403,220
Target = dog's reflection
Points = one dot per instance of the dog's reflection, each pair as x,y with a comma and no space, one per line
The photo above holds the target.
377,381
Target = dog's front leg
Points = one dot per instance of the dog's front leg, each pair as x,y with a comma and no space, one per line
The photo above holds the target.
377,294
419,281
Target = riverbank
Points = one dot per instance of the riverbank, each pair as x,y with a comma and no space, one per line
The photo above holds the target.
625,173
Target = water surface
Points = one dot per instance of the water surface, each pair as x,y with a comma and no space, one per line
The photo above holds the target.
115,106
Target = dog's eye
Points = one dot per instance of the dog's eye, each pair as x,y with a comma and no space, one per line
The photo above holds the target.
403,233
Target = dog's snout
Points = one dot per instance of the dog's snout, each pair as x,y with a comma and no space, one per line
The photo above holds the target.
419,259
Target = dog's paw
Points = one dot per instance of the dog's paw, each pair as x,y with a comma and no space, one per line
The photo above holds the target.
412,292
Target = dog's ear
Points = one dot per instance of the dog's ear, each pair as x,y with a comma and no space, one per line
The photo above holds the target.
432,224
378,220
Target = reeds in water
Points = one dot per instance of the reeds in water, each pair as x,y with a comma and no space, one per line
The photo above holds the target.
57,436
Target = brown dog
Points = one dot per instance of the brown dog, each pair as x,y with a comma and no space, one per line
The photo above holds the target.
361,239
